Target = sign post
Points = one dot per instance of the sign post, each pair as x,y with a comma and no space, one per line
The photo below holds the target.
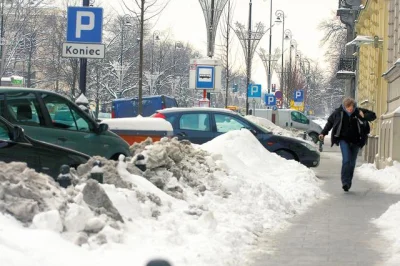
254,91
84,37
206,75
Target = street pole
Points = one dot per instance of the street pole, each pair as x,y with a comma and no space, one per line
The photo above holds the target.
227,55
281,15
2,42
248,58
140,96
83,64
270,49
121,58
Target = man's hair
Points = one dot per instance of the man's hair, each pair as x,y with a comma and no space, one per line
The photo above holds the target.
347,102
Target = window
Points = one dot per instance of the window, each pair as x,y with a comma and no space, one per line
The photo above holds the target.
23,108
227,123
4,132
2,105
199,122
299,118
64,116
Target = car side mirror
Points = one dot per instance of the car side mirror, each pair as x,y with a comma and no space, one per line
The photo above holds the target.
102,128
254,132
18,133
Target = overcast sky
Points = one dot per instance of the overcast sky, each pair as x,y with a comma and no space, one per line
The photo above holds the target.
185,21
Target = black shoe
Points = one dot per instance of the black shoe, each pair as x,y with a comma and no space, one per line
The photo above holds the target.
346,187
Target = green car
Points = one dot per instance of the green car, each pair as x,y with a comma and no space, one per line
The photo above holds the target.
46,158
52,118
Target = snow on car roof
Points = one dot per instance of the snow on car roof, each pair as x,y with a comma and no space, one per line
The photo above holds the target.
195,109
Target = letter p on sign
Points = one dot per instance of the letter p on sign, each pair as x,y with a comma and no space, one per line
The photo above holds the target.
80,25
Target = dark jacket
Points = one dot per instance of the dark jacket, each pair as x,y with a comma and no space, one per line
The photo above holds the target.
335,122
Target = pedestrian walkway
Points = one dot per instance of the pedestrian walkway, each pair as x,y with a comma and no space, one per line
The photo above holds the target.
337,231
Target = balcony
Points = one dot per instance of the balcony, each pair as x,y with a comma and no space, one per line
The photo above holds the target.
347,68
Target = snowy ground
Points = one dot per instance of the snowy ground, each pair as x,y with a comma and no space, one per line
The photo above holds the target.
388,223
194,205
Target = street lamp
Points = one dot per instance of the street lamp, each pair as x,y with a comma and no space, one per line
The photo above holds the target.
156,37
280,18
125,22
178,45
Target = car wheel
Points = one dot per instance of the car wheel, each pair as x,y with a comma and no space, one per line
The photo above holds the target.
286,154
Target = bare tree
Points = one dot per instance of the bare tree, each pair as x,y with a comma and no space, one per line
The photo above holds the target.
226,47
144,10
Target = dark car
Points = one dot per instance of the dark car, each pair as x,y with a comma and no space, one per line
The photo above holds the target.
50,117
46,158
200,125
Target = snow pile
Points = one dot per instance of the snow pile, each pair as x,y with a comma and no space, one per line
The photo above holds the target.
194,205
389,180
37,201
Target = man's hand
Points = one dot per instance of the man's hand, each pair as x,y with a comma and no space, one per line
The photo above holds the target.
361,114
321,137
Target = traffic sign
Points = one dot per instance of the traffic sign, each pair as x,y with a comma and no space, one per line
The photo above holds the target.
254,91
299,96
270,100
278,94
205,77
84,24
81,50
273,87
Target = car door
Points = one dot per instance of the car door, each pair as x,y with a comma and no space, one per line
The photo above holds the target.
16,151
69,127
195,127
299,120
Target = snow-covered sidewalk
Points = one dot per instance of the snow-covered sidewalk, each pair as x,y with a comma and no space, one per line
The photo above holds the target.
389,181
203,205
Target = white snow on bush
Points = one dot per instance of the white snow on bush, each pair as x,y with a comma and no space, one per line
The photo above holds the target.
203,205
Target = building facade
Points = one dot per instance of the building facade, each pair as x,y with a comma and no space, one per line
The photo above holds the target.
389,143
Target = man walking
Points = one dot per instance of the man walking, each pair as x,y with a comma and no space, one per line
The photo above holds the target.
350,129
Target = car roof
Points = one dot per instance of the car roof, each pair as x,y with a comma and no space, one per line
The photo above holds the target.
195,109
23,89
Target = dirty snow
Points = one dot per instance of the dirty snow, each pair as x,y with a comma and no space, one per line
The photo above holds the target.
389,180
194,205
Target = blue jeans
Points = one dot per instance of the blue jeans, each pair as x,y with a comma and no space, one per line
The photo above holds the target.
349,158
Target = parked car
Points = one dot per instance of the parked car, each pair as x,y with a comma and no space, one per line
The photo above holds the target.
46,158
291,119
200,125
52,118
128,107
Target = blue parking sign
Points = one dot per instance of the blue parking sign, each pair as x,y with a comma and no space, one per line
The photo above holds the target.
84,24
254,91
299,96
270,100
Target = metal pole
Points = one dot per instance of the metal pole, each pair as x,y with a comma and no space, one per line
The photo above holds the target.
227,54
289,76
270,49
248,58
140,96
121,59
83,65
2,42
283,49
